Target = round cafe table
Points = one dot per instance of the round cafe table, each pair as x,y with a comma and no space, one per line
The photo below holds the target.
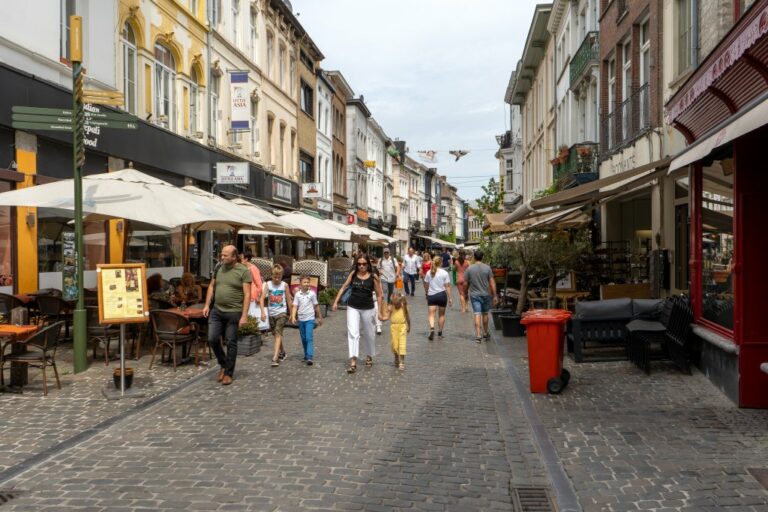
15,335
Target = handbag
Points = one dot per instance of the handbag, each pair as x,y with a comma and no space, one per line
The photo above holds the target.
346,295
399,283
254,311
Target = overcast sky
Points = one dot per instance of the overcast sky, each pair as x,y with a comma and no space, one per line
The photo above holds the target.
433,72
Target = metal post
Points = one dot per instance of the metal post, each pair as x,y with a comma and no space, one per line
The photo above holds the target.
122,359
78,154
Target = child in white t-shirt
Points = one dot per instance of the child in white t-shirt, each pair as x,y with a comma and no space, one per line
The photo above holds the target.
307,310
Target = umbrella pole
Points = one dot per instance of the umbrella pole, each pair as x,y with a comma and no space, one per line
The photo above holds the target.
80,342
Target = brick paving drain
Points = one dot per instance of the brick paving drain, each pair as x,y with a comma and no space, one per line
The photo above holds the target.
6,496
760,474
531,499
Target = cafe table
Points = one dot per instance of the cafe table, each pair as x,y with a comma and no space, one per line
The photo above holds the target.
192,313
16,335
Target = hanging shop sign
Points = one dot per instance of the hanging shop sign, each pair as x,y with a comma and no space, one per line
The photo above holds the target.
311,190
281,190
362,215
240,100
324,205
369,163
350,218
232,173
434,215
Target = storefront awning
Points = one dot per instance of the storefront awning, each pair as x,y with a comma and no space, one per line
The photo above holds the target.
751,118
494,223
585,193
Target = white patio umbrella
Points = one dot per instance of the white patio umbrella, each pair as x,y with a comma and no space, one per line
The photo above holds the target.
130,194
272,224
363,235
317,228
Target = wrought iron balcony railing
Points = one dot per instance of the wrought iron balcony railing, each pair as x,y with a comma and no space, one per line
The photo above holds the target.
580,165
586,56
630,118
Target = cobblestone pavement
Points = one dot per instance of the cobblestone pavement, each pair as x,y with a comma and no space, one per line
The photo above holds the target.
446,434
662,442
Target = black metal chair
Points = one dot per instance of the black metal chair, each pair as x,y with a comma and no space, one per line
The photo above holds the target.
40,353
54,309
172,330
98,334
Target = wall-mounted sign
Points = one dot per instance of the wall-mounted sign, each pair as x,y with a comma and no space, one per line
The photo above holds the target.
324,205
281,190
240,100
369,163
362,215
311,190
434,215
350,218
232,173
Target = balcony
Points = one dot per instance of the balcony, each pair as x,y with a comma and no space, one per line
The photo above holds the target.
585,57
415,226
505,140
629,119
580,165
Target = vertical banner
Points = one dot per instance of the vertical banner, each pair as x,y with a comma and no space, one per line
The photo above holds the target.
240,100
68,269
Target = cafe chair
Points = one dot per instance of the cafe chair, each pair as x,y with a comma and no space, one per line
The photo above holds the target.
7,303
54,309
171,330
40,353
100,335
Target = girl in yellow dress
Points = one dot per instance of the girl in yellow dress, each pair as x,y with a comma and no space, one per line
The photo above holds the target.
401,325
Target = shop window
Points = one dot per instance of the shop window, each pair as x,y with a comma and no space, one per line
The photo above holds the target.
54,231
6,243
717,243
156,248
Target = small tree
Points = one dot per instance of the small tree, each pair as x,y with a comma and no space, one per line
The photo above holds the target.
490,202
526,256
561,249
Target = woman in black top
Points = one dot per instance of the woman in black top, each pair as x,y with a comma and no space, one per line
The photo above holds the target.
360,310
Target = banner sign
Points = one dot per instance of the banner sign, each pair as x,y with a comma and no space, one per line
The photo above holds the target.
69,268
240,99
434,215
232,173
311,190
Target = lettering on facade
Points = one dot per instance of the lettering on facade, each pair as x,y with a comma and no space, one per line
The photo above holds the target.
623,165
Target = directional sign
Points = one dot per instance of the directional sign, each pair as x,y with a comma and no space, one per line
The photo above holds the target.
129,125
29,118
111,116
42,111
63,127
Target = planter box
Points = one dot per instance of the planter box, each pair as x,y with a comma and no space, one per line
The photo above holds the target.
495,313
248,345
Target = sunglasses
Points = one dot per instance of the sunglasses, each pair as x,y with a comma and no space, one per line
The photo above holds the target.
362,263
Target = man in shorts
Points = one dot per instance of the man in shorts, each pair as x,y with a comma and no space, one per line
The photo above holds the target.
482,294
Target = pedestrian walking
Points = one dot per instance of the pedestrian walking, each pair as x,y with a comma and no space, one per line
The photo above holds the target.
360,310
411,267
482,294
307,311
400,326
277,295
461,265
446,256
230,291
389,269
437,285
257,283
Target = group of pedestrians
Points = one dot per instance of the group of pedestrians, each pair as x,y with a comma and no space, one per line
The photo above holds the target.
237,291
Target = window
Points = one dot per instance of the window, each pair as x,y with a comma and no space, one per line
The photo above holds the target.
7,245
611,131
270,50
235,21
194,6
215,12
194,93
306,60
254,130
214,110
683,35
129,68
306,171
717,236
292,84
165,78
157,248
67,10
645,75
281,66
254,26
626,81
307,104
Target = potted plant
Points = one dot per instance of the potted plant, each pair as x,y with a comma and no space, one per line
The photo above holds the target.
563,153
325,298
128,377
249,337
584,151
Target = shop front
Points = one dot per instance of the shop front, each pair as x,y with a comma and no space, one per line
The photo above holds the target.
725,125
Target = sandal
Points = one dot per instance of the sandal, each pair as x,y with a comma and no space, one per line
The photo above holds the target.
368,361
352,368
401,366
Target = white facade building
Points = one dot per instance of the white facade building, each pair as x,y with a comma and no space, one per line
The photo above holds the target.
324,154
356,145
376,157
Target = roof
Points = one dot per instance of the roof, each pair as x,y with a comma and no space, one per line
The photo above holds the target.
338,79
285,10
322,76
533,53
360,104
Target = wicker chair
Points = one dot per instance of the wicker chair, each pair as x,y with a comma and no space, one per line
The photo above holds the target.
41,353
100,334
7,303
171,330
54,309
264,266
313,268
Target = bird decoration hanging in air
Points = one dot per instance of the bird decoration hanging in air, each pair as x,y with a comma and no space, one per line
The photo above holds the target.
429,155
458,153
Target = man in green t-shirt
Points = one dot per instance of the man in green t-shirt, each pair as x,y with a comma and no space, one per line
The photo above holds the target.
231,289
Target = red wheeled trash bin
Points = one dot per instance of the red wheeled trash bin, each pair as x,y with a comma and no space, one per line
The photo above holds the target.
545,332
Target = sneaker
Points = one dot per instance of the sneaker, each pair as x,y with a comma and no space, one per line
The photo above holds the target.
439,334
283,356
309,362
431,334
378,330
275,363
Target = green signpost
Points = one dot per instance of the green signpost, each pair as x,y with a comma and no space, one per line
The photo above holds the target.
75,120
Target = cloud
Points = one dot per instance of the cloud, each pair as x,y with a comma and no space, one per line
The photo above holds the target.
433,72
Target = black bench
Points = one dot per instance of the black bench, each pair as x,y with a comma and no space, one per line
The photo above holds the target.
668,338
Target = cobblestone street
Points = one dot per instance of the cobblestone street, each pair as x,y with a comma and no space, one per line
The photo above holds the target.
452,432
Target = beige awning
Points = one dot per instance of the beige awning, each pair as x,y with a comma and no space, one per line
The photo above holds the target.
494,223
752,118
591,191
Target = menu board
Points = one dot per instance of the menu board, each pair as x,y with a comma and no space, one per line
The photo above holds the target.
122,293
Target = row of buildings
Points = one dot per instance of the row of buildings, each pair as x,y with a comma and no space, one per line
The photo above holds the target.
647,117
211,82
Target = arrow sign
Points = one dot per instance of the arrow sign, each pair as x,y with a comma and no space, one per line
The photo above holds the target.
60,127
42,111
111,116
29,118
127,125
